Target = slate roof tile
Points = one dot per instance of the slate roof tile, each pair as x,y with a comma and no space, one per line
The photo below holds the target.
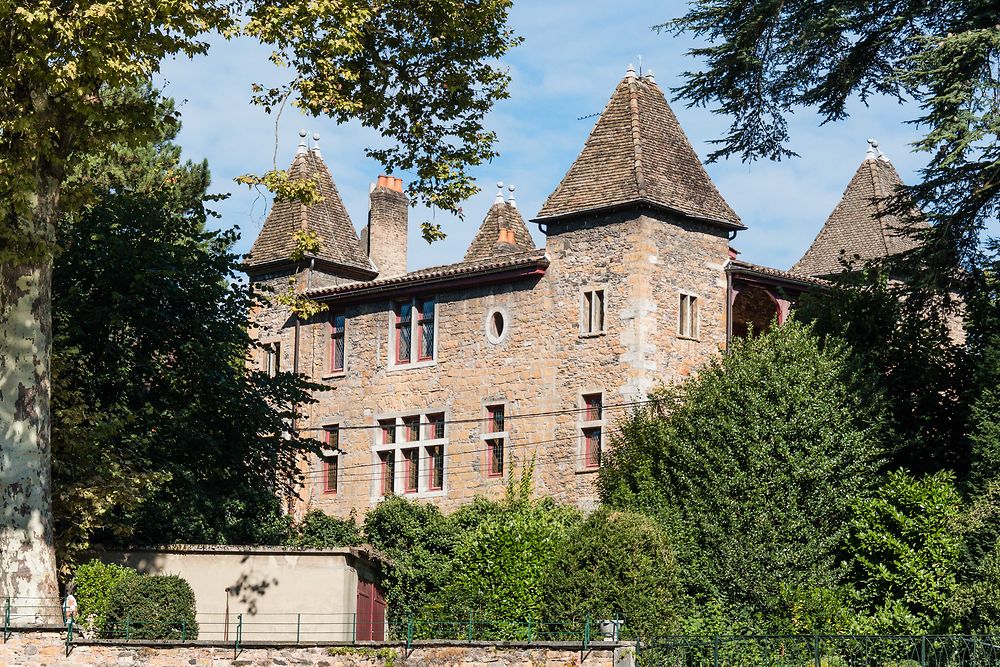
638,153
859,225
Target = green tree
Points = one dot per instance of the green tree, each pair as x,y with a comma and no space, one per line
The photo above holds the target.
753,467
764,60
319,530
162,431
908,351
423,73
616,565
906,547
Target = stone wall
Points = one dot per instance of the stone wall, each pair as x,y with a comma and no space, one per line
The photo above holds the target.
543,363
47,649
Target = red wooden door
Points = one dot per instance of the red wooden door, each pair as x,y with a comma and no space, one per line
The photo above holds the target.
363,611
378,614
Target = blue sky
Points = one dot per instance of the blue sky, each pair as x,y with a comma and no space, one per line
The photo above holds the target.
575,52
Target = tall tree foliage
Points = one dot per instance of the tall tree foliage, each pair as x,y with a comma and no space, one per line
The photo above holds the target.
764,59
904,344
753,465
424,73
162,431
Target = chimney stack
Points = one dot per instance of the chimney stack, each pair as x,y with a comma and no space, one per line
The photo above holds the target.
384,237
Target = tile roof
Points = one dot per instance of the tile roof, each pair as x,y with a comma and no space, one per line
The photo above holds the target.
638,153
328,218
739,266
435,273
859,225
502,215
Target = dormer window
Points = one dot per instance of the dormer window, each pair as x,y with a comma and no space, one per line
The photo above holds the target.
414,331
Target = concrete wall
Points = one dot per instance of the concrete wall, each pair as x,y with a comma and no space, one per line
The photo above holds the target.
48,650
280,592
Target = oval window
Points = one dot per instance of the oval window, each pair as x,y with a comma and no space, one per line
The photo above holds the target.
496,324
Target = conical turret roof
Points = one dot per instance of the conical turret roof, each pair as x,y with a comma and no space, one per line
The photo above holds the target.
637,153
328,218
859,225
502,217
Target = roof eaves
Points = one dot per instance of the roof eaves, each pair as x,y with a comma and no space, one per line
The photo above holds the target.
746,268
728,224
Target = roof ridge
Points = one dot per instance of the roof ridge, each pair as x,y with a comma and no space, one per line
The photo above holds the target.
640,181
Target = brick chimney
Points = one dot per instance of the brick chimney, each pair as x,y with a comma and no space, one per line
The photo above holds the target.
384,237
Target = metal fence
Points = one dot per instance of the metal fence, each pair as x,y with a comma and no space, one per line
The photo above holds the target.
823,651
238,628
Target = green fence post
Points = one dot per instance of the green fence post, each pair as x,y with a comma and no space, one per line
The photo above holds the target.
69,636
715,651
128,627
184,629
354,628
816,658
470,626
6,620
923,650
239,635
586,634
409,632
298,627
531,635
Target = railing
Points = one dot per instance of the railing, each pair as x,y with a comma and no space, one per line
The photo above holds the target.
823,651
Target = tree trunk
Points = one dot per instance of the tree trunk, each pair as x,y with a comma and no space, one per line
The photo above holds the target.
27,551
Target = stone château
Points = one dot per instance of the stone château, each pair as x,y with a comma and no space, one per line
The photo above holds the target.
445,379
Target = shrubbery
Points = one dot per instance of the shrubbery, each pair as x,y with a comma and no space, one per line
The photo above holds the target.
93,585
152,607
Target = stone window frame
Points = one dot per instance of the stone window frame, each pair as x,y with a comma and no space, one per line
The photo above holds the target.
270,349
585,314
487,324
489,436
393,364
585,426
695,333
422,444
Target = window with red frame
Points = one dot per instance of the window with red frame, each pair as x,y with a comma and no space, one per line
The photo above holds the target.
411,428
387,469
594,407
435,476
425,329
592,447
404,332
331,468
388,428
411,470
495,419
338,343
495,453
435,426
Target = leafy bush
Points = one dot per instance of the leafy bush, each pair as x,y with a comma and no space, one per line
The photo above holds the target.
152,607
906,544
319,530
499,568
93,585
419,542
615,565
752,466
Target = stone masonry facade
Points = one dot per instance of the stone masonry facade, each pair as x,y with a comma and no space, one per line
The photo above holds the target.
445,381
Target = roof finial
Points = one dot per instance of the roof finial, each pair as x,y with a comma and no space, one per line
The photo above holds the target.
650,77
872,146
630,72
302,143
315,148
511,200
499,197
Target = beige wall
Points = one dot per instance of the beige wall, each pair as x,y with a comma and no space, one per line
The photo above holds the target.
542,364
277,590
